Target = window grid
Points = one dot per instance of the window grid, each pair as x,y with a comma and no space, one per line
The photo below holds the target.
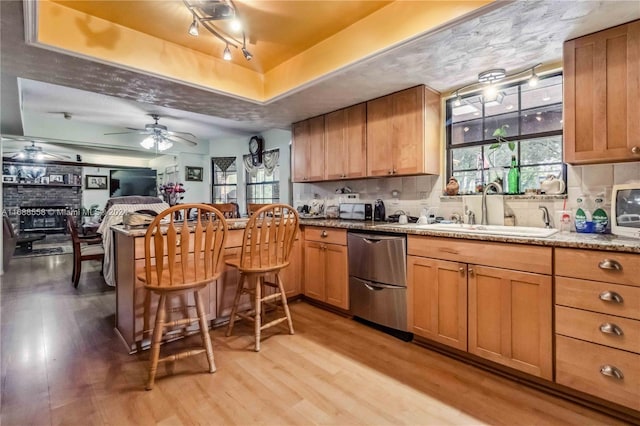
224,188
483,173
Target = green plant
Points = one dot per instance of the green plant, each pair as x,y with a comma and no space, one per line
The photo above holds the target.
500,134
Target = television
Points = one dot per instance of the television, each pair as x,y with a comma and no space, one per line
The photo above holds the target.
625,210
133,182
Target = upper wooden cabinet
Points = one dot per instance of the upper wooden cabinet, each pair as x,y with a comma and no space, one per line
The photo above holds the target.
403,133
308,150
345,143
601,92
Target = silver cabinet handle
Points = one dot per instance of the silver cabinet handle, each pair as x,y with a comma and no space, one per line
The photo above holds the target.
609,328
610,264
611,296
611,371
324,234
635,150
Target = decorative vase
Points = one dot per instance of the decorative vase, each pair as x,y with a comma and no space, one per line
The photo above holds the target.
452,187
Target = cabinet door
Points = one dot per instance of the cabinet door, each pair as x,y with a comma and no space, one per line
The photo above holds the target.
308,150
601,89
345,143
299,150
408,131
314,267
292,275
336,275
380,137
438,300
510,317
226,287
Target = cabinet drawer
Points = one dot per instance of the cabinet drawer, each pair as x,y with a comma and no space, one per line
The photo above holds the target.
599,328
500,255
579,365
612,299
620,268
326,235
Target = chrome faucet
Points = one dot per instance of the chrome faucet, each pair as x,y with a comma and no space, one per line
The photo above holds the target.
471,216
498,188
545,216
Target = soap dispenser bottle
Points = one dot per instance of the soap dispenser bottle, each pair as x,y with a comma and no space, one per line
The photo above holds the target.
583,218
600,217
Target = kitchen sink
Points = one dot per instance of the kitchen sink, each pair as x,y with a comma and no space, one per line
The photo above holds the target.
513,231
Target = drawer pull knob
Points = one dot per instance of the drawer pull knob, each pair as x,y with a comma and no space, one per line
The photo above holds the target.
610,264
461,269
324,234
635,150
609,328
611,371
611,296
471,272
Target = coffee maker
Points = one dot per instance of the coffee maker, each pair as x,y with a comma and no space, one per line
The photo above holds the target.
378,211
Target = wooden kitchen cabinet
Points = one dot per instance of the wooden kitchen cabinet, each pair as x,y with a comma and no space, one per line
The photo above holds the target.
345,143
403,133
601,92
326,275
508,308
308,150
510,318
437,300
597,324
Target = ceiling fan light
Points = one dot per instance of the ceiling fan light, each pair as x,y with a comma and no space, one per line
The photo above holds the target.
165,144
148,142
39,156
226,55
21,155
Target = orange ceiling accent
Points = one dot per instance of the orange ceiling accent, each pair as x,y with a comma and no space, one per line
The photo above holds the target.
276,30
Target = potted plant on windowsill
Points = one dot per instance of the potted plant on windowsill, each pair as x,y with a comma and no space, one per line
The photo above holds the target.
513,176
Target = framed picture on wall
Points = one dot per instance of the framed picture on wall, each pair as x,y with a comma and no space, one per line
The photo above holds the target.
194,173
95,182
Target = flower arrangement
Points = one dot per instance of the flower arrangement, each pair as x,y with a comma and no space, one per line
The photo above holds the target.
172,193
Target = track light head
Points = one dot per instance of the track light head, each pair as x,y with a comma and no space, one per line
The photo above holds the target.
193,28
533,80
247,55
226,55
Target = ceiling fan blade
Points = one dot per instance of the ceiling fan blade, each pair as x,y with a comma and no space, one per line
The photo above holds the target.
139,131
174,133
180,139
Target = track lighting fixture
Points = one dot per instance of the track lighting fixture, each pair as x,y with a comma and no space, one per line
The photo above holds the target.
219,17
487,80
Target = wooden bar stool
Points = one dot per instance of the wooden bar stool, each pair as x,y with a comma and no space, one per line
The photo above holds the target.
191,254
266,246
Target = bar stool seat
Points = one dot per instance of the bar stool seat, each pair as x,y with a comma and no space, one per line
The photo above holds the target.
191,254
267,243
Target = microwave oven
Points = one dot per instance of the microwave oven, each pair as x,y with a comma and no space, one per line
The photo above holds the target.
625,210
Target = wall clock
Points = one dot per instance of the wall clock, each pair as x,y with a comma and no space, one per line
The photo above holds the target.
256,146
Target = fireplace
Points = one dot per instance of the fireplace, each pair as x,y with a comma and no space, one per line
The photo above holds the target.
47,219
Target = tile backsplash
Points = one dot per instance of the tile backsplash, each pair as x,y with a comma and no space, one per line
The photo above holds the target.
412,194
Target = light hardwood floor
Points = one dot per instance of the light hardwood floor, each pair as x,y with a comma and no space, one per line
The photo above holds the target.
63,364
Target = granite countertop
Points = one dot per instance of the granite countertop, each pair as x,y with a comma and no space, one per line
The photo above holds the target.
141,231
606,242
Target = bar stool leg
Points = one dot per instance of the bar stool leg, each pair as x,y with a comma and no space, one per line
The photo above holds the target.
236,301
258,308
204,331
285,305
156,341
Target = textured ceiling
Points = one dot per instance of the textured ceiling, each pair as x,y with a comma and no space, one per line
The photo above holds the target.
512,35
276,30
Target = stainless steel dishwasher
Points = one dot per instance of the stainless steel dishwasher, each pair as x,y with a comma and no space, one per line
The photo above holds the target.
377,278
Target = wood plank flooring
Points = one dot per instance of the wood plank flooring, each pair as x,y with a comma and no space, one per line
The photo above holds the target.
63,364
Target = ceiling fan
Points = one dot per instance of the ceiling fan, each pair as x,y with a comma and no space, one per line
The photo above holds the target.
159,136
33,152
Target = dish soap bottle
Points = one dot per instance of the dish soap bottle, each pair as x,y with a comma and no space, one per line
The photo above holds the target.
513,177
583,218
600,218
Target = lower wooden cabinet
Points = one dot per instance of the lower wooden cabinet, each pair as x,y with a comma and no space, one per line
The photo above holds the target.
498,307
326,274
437,293
510,318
